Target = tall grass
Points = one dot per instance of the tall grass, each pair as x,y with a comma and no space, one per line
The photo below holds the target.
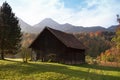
17,70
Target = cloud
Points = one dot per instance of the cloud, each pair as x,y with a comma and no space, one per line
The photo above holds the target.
103,13
91,13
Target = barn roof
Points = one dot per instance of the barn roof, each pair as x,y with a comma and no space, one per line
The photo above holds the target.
66,38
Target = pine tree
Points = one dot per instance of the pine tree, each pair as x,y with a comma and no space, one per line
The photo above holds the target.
10,31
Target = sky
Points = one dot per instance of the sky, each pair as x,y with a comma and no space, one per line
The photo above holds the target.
76,12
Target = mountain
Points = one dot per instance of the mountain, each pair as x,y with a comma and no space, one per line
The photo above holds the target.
70,28
52,24
63,27
47,22
112,28
86,29
66,26
25,27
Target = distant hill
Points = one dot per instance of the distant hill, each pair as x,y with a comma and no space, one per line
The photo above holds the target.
112,28
63,27
86,29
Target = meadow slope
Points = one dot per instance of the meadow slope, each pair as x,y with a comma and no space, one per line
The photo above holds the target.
16,70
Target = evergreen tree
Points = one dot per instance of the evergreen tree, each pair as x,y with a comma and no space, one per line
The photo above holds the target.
10,31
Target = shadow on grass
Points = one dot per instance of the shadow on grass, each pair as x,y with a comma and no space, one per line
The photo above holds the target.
33,68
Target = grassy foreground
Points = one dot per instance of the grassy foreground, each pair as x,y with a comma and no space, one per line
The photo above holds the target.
16,70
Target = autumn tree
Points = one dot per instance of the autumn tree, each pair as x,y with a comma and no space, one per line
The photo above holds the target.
10,31
116,39
113,54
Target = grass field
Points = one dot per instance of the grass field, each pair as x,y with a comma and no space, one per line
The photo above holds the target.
16,70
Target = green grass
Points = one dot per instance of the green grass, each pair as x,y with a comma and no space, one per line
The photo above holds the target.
16,70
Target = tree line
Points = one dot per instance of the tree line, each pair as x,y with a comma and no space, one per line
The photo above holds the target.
96,42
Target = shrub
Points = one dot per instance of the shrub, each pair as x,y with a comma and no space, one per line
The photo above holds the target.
90,60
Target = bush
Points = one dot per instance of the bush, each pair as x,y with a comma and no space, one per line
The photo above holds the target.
110,55
90,60
111,58
25,54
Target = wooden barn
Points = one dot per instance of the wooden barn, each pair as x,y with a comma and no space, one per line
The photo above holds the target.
58,46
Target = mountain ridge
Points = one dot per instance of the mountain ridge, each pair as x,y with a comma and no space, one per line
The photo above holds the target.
37,28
